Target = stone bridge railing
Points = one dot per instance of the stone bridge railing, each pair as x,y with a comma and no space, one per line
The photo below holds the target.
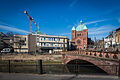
97,54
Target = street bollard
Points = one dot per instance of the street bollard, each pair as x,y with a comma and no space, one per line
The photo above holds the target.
9,66
40,70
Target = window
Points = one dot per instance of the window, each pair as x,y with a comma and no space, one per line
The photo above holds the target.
25,44
78,34
25,39
37,38
58,39
51,44
44,38
49,39
44,44
47,44
41,38
55,45
53,39
61,45
78,41
41,44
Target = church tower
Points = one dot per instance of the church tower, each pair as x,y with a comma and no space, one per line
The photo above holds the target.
79,36
85,37
73,34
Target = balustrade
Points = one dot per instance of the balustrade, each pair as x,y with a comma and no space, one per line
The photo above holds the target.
98,54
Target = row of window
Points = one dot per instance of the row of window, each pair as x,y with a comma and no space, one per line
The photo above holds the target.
79,35
49,39
49,44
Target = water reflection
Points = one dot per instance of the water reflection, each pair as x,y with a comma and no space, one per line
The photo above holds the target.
83,67
73,67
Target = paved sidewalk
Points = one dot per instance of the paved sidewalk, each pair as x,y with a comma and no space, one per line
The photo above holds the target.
22,76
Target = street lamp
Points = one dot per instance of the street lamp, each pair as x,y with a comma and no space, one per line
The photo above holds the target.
36,41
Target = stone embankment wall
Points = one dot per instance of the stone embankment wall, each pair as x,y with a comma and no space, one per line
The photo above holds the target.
31,57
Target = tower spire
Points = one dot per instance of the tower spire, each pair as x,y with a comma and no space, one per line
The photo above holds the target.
73,28
81,22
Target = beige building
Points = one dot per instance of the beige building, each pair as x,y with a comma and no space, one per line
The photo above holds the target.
41,43
18,47
117,38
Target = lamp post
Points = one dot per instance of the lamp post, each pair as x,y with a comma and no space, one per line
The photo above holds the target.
36,41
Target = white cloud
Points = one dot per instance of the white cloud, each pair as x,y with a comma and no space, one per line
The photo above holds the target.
87,23
73,3
9,28
101,31
65,34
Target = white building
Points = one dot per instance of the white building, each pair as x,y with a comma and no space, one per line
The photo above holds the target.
107,42
51,43
41,43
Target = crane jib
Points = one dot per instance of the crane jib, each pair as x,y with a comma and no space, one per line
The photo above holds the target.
31,19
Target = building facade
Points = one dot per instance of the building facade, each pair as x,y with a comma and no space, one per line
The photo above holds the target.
5,43
117,36
41,43
79,36
108,42
18,46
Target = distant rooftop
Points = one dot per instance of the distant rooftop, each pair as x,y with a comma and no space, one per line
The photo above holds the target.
118,29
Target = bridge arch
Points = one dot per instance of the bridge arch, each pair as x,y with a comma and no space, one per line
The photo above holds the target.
106,65
83,67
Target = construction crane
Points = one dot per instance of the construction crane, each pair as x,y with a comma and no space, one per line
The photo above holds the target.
31,19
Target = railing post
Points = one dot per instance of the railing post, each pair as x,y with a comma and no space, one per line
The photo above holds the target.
119,69
40,70
9,66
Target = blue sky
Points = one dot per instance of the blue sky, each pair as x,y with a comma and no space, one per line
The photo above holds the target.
56,17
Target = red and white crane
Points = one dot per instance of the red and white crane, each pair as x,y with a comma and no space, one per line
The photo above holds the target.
31,19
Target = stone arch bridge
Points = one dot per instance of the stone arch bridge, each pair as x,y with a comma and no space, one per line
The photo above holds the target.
107,61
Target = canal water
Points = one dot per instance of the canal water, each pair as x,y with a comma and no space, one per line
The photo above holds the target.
73,67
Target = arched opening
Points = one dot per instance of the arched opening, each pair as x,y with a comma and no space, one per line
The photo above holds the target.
78,66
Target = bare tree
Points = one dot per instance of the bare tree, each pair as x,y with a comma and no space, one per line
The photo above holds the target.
10,35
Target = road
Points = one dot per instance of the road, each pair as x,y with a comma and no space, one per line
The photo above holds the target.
21,76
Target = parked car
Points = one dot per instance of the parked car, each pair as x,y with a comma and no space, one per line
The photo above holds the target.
6,50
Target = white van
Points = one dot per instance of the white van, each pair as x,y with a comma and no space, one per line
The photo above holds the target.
5,50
